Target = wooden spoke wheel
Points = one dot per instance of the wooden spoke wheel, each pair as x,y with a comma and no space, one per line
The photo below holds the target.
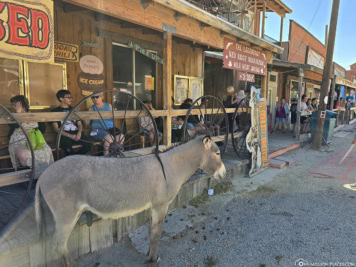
207,116
15,191
125,126
241,121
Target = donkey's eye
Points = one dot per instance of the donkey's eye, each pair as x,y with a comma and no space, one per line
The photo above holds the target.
218,153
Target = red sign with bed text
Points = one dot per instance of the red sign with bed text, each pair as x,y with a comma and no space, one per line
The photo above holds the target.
26,30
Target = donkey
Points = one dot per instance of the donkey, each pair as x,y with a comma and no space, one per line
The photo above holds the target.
115,188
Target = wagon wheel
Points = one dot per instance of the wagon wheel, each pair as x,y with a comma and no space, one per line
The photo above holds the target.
127,135
241,127
207,119
13,197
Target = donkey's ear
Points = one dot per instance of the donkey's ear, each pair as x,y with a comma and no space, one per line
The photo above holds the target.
206,139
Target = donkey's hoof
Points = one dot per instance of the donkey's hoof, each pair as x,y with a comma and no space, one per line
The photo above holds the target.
152,262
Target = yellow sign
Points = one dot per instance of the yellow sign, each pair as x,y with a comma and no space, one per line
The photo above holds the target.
149,83
26,30
66,52
264,132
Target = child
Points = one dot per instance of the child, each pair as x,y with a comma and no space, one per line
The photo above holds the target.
72,131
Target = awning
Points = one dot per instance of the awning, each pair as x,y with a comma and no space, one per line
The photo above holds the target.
342,81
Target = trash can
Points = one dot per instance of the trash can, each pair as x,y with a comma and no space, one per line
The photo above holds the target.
329,125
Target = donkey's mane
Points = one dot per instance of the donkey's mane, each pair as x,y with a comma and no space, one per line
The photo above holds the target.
179,144
164,150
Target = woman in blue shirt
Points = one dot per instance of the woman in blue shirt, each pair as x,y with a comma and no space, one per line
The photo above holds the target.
104,130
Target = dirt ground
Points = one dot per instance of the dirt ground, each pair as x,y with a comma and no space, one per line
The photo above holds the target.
301,215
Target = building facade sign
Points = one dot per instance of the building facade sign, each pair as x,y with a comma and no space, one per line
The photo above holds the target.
246,77
243,58
339,71
314,59
91,82
26,30
66,52
91,64
145,52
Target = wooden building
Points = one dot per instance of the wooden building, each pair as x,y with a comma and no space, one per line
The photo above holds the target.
133,39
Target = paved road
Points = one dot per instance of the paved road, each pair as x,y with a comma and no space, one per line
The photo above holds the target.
306,213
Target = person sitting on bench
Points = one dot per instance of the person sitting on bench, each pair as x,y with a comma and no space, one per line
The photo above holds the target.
19,152
104,130
72,133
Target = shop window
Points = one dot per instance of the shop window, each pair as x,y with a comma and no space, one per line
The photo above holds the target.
133,73
42,83
11,80
39,82
247,23
272,78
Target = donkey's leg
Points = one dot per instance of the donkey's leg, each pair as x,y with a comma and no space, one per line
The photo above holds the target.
65,223
158,215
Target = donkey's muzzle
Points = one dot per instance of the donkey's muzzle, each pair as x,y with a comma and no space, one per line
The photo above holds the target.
221,172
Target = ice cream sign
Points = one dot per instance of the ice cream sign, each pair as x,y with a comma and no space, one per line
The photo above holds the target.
243,58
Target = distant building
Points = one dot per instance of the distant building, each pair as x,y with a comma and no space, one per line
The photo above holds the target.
351,74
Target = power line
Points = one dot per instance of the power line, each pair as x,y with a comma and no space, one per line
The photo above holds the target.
311,22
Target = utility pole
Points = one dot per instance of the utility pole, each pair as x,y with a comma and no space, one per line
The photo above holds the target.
318,138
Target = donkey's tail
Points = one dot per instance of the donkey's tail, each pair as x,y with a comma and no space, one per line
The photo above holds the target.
38,211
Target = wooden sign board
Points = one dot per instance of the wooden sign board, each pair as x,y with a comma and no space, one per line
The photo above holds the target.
145,52
181,89
91,64
196,88
264,132
246,77
91,82
66,52
27,30
244,58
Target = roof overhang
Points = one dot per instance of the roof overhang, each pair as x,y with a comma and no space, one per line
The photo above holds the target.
275,6
285,65
203,16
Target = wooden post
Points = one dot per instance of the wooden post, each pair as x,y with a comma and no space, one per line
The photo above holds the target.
264,88
257,22
281,32
318,137
300,84
332,93
263,19
167,87
326,34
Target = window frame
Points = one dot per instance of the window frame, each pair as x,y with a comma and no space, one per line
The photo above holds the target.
27,89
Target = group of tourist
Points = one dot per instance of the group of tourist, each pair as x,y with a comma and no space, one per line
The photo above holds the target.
72,134
283,110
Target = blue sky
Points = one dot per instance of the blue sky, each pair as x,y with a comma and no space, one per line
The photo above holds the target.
303,11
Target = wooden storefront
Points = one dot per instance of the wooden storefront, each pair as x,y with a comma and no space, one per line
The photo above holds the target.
133,39
100,30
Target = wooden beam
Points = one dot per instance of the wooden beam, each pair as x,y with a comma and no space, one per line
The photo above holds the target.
93,115
152,32
146,3
257,23
281,31
68,8
188,28
263,19
167,87
84,115
107,32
